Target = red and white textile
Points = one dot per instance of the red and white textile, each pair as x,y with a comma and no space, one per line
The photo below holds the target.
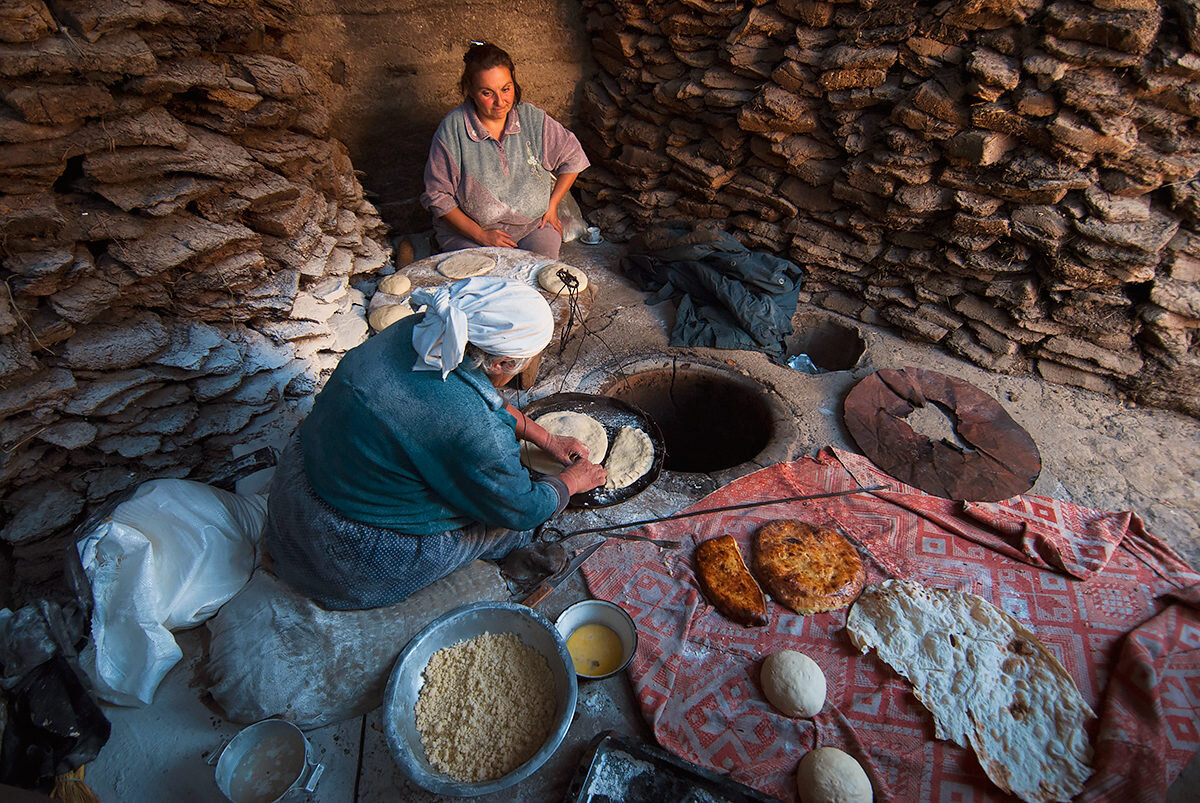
1118,608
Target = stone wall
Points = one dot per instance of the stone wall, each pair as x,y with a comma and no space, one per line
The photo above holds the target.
389,69
180,244
1014,180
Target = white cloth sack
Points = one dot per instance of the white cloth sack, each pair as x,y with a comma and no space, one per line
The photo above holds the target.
275,653
166,558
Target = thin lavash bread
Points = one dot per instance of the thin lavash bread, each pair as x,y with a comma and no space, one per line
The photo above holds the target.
988,681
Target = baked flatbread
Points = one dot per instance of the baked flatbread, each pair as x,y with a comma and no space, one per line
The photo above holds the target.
630,457
465,264
807,568
727,583
573,425
988,681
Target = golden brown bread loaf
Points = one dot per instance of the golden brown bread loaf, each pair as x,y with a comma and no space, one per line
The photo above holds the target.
805,567
727,583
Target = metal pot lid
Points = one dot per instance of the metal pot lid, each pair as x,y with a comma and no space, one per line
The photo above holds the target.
612,415
1002,460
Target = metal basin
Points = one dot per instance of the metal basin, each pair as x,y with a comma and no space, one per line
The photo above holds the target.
460,624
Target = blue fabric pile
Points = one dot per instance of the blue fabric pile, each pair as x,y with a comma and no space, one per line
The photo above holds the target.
727,296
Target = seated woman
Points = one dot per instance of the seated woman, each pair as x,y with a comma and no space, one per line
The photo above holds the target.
408,465
498,168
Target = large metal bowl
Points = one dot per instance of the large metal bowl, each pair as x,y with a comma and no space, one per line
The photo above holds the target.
460,624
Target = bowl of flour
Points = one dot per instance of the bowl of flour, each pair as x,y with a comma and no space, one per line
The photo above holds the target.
479,699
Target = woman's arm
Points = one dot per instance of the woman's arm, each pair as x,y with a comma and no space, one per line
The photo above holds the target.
461,222
535,433
580,473
561,185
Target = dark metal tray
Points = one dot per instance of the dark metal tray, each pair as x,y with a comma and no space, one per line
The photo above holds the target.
615,770
612,415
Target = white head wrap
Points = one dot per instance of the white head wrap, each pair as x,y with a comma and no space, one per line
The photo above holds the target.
505,317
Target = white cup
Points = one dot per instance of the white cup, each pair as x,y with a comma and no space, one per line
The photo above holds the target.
592,235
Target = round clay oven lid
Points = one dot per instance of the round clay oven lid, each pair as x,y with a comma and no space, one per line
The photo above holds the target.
1000,461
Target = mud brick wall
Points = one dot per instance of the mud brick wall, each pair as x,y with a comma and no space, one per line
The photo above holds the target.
181,244
1014,180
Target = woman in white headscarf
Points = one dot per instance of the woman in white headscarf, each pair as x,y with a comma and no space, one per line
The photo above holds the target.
408,465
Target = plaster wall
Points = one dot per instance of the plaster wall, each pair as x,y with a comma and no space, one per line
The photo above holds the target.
388,71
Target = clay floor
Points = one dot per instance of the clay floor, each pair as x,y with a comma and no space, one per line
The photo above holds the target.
1095,451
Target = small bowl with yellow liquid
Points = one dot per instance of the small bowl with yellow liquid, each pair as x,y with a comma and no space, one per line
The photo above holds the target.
600,636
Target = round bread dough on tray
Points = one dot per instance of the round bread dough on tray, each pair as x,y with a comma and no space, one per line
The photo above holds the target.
465,264
830,775
631,456
793,683
384,316
572,425
549,279
395,285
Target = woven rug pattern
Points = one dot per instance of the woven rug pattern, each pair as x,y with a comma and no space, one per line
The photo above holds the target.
1116,606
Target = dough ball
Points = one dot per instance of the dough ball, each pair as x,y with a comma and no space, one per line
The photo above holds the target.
829,775
551,283
383,317
793,683
395,285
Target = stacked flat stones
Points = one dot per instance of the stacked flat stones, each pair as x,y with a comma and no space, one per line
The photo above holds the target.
1014,180
181,244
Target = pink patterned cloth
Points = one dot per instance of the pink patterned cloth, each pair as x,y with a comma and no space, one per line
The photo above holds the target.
1116,606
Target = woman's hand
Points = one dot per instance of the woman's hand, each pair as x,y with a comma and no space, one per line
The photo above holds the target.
564,449
464,225
495,238
551,218
583,476
562,183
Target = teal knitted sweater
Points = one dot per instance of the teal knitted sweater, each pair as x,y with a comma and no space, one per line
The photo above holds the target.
403,449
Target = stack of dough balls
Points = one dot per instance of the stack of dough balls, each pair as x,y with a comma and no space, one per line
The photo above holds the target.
793,683
384,315
829,775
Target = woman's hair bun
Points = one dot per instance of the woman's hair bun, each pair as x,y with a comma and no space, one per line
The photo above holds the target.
472,46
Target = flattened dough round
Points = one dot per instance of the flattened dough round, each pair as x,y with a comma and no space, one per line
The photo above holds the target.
631,456
395,285
793,683
573,425
465,264
829,775
551,283
383,317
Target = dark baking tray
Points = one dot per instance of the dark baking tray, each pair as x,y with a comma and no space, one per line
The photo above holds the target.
615,770
612,415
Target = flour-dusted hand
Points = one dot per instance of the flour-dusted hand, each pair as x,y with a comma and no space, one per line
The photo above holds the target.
583,475
566,449
575,430
496,238
551,219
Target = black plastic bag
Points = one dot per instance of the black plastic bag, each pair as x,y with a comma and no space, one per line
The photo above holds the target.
51,723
